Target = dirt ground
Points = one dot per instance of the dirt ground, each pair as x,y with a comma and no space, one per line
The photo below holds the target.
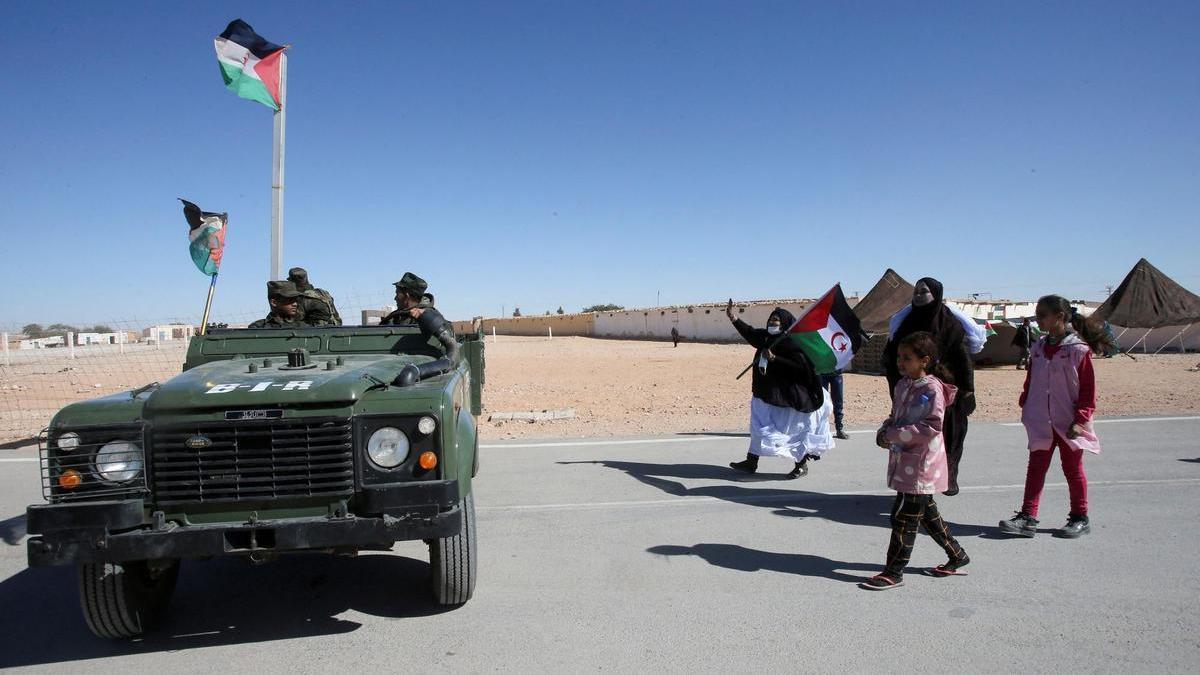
615,387
626,388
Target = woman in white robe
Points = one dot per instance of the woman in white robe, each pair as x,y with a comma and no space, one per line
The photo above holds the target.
789,411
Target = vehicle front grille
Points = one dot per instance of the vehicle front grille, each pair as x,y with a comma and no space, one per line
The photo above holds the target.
252,460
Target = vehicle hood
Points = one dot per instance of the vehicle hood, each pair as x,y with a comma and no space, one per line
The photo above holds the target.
221,384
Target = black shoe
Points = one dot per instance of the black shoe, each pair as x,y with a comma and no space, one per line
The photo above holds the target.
1076,526
749,465
954,567
842,435
1021,525
800,470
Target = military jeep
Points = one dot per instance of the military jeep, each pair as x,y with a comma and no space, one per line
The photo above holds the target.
320,439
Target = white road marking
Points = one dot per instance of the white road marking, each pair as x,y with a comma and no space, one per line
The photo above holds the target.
577,444
1122,420
19,459
775,497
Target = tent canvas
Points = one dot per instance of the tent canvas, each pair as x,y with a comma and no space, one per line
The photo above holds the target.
1147,298
884,299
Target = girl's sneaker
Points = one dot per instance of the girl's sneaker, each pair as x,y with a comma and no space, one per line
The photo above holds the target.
1022,525
1076,526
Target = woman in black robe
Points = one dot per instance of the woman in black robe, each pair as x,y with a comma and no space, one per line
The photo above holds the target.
929,313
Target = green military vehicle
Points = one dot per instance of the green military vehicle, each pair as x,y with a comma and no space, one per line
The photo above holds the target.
326,439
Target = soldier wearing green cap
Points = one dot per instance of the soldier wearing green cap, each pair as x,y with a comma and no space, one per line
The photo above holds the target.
414,307
410,302
316,303
284,298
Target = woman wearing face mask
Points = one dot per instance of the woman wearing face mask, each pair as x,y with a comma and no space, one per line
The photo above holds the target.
789,412
931,315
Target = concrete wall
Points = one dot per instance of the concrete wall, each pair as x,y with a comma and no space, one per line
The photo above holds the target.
705,323
561,324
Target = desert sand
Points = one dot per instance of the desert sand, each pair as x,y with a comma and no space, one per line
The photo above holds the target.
614,387
627,388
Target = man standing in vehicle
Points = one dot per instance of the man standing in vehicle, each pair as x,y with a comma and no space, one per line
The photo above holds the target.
285,307
316,303
413,309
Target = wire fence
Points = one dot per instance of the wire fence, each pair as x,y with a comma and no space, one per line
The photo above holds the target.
40,375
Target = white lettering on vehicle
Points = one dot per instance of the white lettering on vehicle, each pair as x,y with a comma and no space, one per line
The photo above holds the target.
291,385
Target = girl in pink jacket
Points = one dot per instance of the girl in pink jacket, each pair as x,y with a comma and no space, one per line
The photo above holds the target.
917,467
1057,404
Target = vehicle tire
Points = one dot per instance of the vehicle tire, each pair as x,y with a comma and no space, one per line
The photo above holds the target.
123,600
452,560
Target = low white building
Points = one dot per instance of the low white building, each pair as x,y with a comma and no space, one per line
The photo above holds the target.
82,339
168,332
43,342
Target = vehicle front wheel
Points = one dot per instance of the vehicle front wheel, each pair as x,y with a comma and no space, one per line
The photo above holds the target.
452,560
123,600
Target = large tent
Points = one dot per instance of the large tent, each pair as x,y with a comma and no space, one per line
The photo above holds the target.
1149,299
884,299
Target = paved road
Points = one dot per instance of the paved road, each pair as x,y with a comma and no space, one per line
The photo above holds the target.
644,554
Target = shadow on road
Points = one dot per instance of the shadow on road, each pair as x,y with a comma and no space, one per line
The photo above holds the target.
13,445
726,434
217,602
856,509
12,531
744,559
1194,460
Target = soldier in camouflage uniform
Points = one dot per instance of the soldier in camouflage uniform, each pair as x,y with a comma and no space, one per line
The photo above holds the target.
316,303
284,298
415,308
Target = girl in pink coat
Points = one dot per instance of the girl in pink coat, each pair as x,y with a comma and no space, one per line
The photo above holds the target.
917,467
1057,404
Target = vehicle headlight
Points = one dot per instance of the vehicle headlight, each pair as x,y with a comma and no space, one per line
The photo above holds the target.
119,461
387,447
426,425
68,441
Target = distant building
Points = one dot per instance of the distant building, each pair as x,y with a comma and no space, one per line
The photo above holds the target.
168,332
82,339
43,342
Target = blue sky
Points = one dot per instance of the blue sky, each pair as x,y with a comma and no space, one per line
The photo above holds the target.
539,154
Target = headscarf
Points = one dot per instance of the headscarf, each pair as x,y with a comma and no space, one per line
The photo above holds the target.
785,318
932,317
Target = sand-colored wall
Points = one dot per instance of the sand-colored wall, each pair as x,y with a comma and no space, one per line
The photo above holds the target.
705,323
560,324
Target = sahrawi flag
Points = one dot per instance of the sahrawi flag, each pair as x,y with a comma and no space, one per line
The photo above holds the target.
207,237
829,332
249,64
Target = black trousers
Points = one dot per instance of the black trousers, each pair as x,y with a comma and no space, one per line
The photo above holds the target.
833,381
954,432
910,513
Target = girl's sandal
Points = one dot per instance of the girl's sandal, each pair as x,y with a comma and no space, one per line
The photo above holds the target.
881,582
946,570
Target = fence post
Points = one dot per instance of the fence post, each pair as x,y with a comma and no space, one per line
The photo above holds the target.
71,344
7,362
550,332
493,333
121,342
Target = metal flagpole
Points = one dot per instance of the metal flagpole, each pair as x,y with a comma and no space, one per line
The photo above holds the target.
212,286
277,174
